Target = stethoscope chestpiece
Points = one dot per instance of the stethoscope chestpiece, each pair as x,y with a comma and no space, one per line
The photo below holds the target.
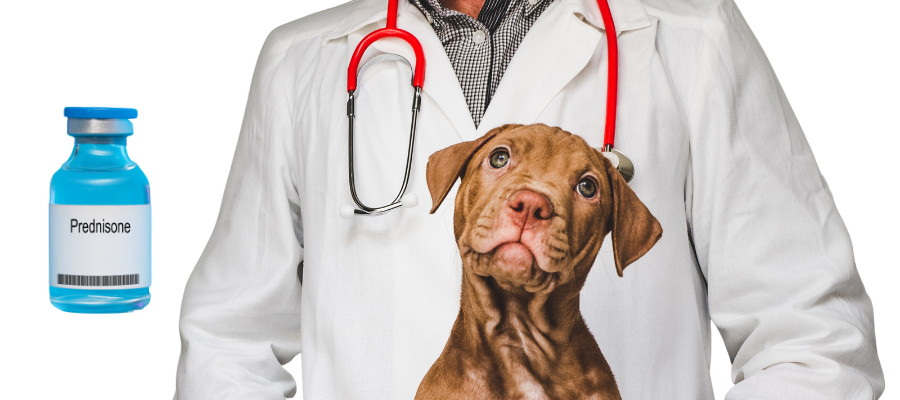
622,163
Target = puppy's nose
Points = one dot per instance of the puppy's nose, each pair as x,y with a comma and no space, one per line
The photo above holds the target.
530,206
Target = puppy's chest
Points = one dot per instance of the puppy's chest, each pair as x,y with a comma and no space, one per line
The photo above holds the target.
487,386
515,378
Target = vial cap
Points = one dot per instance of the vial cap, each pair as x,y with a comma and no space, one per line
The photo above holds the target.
100,112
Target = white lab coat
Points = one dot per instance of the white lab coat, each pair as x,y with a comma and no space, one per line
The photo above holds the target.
752,239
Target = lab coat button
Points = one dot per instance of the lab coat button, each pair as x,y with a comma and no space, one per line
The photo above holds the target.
478,37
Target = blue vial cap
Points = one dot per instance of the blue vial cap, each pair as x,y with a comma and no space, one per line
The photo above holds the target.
90,121
100,112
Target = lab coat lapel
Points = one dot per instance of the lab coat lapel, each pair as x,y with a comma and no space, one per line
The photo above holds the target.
441,84
555,50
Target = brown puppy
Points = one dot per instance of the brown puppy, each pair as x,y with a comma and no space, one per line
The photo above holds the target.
533,208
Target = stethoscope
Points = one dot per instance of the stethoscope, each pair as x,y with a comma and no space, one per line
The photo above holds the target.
409,200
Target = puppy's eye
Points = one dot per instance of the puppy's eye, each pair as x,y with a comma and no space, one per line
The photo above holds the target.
499,159
587,188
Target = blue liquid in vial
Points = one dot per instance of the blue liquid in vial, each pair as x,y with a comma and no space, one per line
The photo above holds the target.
99,172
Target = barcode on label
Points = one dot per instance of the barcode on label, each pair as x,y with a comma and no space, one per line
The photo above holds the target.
98,280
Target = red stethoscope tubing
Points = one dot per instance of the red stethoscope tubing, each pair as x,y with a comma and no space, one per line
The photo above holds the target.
391,30
388,31
612,83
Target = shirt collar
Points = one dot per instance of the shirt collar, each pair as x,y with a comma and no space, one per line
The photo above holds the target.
627,14
529,7
437,15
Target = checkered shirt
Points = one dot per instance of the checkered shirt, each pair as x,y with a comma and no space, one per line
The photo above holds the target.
481,49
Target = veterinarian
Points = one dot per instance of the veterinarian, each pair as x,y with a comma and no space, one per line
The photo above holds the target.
752,239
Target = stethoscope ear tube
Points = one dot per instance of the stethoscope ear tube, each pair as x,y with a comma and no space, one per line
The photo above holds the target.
403,199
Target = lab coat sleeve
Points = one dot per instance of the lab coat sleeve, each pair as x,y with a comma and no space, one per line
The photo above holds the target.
240,316
782,282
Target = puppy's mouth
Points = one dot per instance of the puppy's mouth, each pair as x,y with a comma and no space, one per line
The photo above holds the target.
514,267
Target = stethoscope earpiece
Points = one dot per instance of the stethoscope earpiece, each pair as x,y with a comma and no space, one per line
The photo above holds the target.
409,200
346,211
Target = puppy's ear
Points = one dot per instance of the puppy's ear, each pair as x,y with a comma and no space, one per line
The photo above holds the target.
446,165
634,229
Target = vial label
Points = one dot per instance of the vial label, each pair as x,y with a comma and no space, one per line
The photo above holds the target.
100,247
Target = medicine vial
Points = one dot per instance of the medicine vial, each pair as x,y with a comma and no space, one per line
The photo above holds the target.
99,218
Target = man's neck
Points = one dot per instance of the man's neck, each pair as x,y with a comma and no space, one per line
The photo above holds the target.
468,7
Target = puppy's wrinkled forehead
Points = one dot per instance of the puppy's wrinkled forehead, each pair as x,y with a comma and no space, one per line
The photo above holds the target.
541,149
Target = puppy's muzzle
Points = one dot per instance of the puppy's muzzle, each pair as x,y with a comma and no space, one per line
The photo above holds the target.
515,234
